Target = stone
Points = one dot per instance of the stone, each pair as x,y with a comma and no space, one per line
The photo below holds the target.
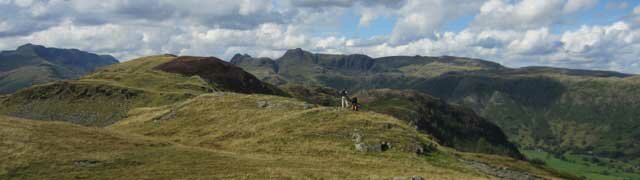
86,163
387,126
421,148
357,137
262,104
308,105
417,178
361,147
399,178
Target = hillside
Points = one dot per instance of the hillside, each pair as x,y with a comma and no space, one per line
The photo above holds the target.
184,108
239,136
451,125
34,64
165,79
561,111
105,96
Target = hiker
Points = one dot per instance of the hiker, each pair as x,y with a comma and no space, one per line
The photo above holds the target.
343,98
354,104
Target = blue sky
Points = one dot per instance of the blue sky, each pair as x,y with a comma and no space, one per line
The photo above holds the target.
585,34
603,13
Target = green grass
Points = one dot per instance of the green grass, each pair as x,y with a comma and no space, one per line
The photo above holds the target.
162,132
435,69
139,73
229,136
217,144
581,165
105,96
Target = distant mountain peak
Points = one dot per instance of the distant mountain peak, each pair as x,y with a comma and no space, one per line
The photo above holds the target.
60,64
29,45
295,53
240,56
29,48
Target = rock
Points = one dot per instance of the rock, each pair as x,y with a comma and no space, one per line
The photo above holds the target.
308,106
361,147
417,178
357,137
421,148
262,104
387,126
86,163
500,172
399,178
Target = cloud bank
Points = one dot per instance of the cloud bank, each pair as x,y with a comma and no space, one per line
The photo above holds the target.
512,32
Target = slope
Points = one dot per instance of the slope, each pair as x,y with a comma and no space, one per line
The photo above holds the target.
105,96
237,136
451,125
282,126
553,109
34,64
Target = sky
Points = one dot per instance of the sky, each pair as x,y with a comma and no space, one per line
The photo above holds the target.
583,34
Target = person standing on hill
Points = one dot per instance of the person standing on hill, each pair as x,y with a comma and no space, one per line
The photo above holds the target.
344,100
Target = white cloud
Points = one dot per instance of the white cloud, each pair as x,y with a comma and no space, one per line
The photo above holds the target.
536,42
4,26
527,14
421,18
512,32
23,3
576,5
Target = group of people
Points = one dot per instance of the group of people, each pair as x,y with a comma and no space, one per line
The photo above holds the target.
347,102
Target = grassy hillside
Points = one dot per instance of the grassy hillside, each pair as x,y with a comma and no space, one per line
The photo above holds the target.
105,96
288,127
182,122
558,110
226,135
451,125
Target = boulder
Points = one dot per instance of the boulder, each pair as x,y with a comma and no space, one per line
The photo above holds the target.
357,137
262,104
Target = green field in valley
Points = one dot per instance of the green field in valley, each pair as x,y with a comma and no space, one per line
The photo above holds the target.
586,166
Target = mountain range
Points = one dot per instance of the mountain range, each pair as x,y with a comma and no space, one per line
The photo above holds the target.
168,116
33,64
200,113
565,112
